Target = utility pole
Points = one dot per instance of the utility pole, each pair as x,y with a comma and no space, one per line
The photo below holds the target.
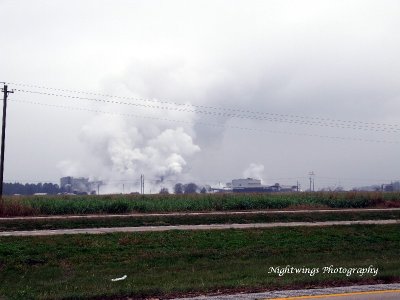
311,174
3,136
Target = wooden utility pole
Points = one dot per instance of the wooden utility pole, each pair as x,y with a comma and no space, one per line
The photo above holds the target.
3,136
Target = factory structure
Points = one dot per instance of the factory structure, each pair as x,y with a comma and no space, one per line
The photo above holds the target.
394,186
82,185
251,185
79,185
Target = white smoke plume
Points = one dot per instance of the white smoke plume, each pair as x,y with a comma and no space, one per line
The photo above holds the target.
121,148
254,171
69,168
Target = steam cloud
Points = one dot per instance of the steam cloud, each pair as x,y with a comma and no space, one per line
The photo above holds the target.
121,148
254,171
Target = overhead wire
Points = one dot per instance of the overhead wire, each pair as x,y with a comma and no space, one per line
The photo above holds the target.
221,114
374,124
12,99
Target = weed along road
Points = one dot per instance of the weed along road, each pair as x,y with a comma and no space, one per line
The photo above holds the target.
194,227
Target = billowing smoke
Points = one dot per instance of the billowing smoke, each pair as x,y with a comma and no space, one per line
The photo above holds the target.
254,171
70,168
120,147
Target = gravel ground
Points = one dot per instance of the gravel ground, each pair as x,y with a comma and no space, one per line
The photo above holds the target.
193,227
297,293
170,214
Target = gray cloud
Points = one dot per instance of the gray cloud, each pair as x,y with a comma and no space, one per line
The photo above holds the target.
325,59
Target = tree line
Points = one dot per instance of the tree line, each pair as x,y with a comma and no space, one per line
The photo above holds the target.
31,188
190,188
53,189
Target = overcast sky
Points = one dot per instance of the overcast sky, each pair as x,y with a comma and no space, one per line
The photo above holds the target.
309,68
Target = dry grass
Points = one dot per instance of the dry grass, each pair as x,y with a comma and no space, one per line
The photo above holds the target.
13,207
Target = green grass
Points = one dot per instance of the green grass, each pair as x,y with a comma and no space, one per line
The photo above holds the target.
37,224
61,205
170,263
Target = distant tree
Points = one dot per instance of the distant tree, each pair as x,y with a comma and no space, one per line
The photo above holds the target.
164,191
178,188
203,190
190,188
30,189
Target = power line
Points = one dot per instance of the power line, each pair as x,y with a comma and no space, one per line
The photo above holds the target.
219,114
204,123
318,119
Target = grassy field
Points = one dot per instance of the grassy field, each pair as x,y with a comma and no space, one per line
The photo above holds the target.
37,224
59,205
180,262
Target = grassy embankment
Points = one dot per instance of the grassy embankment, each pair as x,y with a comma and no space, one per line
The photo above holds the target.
61,205
63,223
171,263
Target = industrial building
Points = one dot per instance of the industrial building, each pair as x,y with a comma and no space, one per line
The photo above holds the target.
386,187
251,185
246,183
79,185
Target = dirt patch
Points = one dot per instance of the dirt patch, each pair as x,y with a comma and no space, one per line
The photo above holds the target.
306,207
389,204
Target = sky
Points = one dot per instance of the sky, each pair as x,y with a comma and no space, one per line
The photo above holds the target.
203,91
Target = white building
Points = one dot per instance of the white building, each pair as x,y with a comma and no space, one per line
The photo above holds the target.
246,183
